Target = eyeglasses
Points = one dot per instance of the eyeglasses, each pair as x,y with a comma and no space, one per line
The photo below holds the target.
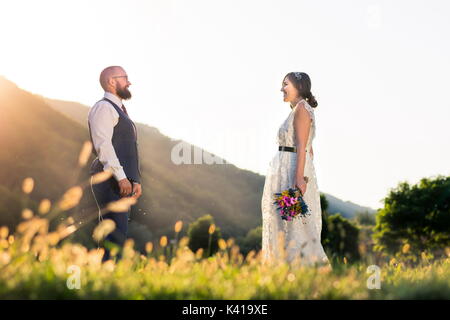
126,77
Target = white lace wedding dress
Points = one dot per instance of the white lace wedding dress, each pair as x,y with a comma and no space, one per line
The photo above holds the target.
297,240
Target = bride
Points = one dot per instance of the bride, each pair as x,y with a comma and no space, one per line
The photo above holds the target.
296,241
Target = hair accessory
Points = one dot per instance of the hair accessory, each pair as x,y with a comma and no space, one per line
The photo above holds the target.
298,75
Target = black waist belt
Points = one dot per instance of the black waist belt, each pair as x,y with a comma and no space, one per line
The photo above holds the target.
289,149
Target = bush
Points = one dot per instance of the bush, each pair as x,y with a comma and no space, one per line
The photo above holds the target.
201,238
252,241
340,237
418,216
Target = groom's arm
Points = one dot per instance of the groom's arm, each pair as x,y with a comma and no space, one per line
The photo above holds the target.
102,120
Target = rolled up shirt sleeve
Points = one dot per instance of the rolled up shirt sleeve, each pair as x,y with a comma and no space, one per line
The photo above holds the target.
102,119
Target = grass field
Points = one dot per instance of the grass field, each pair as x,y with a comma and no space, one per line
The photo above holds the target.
35,265
37,261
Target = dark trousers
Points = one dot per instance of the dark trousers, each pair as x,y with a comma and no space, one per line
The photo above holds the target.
104,193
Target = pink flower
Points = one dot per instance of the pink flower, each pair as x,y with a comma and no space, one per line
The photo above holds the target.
287,200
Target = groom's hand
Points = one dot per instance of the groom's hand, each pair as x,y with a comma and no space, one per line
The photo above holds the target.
125,187
137,189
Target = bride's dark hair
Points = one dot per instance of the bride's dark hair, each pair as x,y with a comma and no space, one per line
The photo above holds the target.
302,83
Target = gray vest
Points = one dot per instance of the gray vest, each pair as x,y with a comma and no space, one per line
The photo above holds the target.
124,141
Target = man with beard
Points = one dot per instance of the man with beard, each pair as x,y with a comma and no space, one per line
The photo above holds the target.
114,138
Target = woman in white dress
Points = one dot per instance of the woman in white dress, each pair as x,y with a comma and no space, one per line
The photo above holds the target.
296,241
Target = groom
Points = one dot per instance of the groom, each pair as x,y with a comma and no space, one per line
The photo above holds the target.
114,138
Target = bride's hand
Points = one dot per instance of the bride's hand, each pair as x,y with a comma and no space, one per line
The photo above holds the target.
301,185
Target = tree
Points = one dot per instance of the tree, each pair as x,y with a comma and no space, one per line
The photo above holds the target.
323,202
340,236
325,215
252,241
418,215
365,218
200,237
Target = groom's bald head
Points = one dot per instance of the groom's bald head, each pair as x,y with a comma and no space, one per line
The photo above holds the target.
107,74
114,79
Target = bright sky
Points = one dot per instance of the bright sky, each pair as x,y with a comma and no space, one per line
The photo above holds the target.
209,72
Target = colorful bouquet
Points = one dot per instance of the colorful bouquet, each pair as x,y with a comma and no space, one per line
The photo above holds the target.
291,204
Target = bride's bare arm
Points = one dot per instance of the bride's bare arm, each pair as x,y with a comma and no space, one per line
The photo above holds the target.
302,125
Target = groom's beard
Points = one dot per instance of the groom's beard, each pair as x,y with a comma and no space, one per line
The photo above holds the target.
123,93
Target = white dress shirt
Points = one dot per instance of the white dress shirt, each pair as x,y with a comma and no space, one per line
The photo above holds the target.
102,118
